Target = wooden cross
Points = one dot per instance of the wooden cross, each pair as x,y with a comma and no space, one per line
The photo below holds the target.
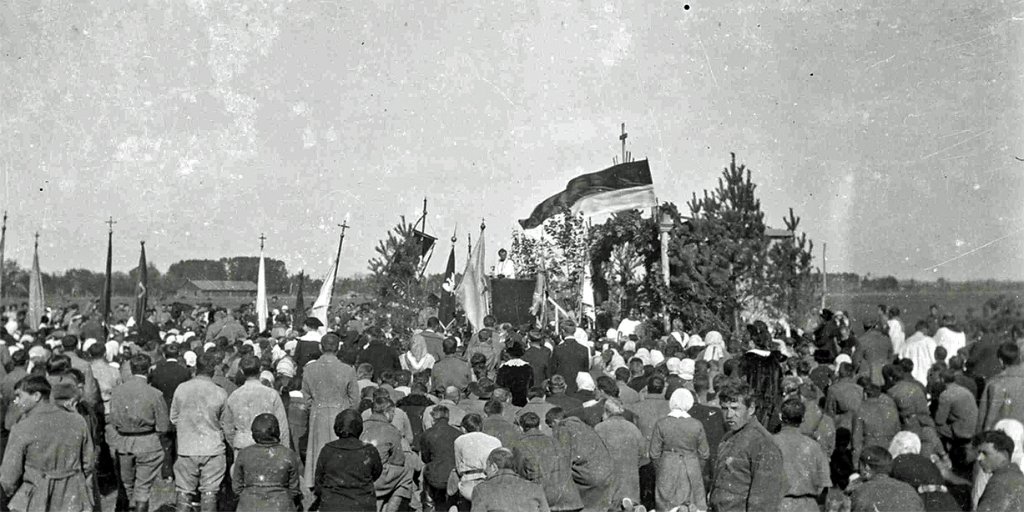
37,240
344,225
111,223
623,139
262,238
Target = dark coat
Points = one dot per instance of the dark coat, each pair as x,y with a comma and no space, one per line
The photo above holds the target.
1004,491
306,351
414,405
874,350
885,494
875,424
764,374
544,461
266,477
540,360
517,378
167,376
437,449
713,421
843,401
568,359
381,356
592,466
507,492
499,427
565,402
1002,398
748,473
345,472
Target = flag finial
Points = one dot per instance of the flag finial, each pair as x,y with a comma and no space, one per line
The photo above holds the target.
483,225
37,240
262,239
110,224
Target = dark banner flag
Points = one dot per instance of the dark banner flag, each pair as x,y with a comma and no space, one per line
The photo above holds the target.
300,305
141,292
620,187
446,311
107,281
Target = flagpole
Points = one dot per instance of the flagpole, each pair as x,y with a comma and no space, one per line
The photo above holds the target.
337,260
261,290
107,282
3,240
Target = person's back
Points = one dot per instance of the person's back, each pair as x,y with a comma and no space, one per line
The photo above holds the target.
249,401
805,463
1002,395
168,374
504,490
545,461
843,399
885,494
873,351
569,358
875,423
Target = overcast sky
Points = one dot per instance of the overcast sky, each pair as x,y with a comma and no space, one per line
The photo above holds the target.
891,127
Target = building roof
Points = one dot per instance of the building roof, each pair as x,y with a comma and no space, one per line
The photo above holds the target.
777,233
224,286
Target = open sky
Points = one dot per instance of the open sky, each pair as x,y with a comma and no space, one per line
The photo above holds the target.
893,128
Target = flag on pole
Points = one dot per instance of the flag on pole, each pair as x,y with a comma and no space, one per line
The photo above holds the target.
3,240
141,292
261,295
36,301
620,187
323,300
587,294
540,293
300,304
107,280
474,290
446,312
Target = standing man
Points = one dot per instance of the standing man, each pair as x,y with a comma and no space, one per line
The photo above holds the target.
1002,396
307,346
139,415
330,387
49,455
195,412
166,376
747,473
569,358
378,353
874,350
250,400
803,461
504,269
875,423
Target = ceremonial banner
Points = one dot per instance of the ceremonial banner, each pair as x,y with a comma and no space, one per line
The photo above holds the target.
261,295
36,301
540,290
446,311
323,301
141,292
300,305
474,291
620,187
587,294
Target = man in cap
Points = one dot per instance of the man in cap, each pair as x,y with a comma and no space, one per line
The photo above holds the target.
249,401
139,415
49,455
876,490
195,412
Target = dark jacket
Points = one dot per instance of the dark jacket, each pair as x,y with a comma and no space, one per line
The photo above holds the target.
167,376
437,449
546,462
875,424
714,425
306,351
345,472
748,472
516,375
266,477
507,492
883,494
568,359
1002,398
381,356
499,427
414,405
539,359
1004,491
874,350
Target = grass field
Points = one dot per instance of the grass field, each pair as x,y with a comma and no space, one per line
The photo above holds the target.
914,305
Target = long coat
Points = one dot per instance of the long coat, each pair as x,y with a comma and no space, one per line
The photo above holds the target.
1002,398
875,424
592,465
544,461
679,448
46,460
266,478
331,387
507,492
843,401
628,448
874,350
568,359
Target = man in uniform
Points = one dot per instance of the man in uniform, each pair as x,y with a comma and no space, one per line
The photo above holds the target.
249,401
49,454
195,411
746,474
139,414
803,460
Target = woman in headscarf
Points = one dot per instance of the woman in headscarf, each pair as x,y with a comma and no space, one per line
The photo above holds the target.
679,450
714,347
265,476
909,466
417,358
1015,430
347,468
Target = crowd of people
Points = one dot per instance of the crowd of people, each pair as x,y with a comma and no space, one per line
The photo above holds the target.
355,416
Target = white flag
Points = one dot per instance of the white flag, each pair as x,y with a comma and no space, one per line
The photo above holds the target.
587,292
474,291
261,295
323,301
36,300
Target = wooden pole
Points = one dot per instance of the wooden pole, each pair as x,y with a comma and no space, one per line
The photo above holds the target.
824,274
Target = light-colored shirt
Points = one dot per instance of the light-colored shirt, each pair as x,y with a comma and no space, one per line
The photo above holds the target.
243,405
108,378
195,411
505,268
471,451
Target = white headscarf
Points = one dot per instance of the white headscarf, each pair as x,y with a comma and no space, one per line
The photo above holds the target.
694,341
715,346
657,357
903,443
672,365
1015,430
584,381
643,355
680,403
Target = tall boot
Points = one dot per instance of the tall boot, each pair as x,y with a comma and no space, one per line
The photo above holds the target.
208,502
184,503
